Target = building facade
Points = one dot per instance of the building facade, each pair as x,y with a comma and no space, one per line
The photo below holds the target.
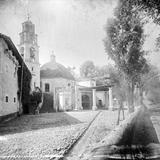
89,95
57,82
8,80
29,50
10,65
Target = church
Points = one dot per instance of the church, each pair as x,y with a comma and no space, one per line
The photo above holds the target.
55,80
21,73
60,90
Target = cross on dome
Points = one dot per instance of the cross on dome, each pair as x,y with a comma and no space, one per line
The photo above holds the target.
53,57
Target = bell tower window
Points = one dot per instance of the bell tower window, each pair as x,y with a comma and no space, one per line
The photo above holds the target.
32,53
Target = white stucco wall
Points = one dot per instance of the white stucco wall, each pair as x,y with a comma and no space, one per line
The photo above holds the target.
100,96
8,82
54,83
66,96
87,83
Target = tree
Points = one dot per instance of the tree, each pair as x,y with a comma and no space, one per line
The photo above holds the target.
150,7
87,69
150,84
123,44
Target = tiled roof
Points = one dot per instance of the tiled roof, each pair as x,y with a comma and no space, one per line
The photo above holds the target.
55,70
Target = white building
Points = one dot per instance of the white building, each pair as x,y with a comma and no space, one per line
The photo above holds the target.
29,50
90,96
56,80
10,63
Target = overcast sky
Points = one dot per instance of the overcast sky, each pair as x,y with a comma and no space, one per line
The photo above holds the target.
73,29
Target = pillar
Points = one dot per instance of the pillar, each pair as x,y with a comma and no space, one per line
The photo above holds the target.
54,99
106,100
110,98
78,99
94,107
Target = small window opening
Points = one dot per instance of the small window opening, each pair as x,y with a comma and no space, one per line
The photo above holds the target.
46,87
6,99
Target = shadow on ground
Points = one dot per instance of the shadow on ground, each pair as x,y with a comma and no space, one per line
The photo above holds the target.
35,122
137,140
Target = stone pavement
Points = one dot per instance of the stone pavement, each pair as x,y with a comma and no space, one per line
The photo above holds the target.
42,136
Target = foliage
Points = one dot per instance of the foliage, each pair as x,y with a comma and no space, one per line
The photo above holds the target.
87,69
119,83
151,7
123,44
151,84
36,95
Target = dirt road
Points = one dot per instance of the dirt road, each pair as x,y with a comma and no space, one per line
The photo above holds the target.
103,124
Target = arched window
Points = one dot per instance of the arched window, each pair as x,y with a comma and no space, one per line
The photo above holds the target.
6,98
32,53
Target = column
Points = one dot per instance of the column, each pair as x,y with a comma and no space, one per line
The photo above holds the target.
106,99
78,99
94,107
110,98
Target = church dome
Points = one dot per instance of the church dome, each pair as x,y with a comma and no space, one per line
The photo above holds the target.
53,69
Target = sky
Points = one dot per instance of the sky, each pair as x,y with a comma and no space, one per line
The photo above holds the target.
72,29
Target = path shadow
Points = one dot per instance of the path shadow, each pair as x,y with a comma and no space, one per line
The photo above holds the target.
141,132
138,141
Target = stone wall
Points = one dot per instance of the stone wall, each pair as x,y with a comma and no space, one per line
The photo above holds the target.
8,81
56,82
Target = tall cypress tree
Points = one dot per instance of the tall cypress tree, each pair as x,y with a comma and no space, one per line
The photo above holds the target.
123,44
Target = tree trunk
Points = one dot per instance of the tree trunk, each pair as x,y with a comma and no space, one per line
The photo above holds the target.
131,96
141,95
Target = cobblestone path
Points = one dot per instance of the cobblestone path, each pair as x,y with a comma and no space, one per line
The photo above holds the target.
43,136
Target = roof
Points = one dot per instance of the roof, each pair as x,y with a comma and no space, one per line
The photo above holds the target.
55,70
98,88
14,50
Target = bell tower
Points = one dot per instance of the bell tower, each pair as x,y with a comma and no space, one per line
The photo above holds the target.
29,51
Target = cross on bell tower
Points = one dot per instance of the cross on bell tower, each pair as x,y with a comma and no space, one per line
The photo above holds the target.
29,49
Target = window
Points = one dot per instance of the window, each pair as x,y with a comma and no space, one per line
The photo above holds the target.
32,68
6,99
32,53
46,87
14,99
